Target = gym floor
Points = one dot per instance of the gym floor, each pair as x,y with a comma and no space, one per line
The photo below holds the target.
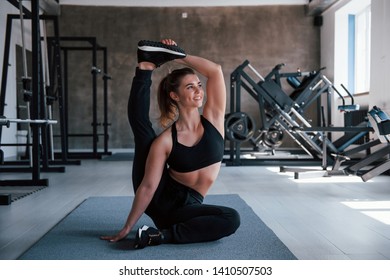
318,218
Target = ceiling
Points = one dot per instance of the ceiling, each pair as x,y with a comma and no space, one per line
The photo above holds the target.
182,3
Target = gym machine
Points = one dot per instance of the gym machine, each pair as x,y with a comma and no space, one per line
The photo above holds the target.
279,113
356,131
375,163
282,114
46,88
87,44
38,119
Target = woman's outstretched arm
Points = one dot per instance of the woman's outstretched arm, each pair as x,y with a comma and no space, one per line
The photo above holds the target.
145,192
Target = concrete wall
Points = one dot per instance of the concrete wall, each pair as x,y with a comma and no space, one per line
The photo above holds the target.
265,35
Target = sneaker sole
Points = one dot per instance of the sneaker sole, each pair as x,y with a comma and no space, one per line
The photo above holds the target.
150,46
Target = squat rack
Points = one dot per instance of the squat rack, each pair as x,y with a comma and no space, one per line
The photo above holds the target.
38,114
94,47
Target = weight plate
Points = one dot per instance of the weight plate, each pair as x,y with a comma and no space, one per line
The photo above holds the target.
239,127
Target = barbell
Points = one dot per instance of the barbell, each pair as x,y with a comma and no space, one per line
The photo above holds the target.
6,121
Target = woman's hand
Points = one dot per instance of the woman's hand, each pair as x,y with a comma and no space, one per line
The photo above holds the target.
119,236
169,42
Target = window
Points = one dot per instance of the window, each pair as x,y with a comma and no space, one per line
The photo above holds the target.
352,46
359,50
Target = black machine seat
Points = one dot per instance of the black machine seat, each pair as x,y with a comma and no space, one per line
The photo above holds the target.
275,95
380,121
299,87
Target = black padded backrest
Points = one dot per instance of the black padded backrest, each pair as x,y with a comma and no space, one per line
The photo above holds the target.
380,121
278,96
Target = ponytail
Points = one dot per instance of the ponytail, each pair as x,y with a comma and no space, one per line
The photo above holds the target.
169,108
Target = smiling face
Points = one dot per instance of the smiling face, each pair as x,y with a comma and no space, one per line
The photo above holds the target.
190,92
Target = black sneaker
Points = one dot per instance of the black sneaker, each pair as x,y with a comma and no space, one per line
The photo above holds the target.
147,236
157,52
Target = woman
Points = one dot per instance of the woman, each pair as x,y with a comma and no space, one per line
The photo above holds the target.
173,171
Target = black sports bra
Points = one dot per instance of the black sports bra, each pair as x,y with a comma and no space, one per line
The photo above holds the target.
207,151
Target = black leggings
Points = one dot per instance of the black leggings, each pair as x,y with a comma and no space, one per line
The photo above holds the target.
175,209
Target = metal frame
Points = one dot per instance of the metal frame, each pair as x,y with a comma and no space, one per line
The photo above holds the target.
268,94
37,100
379,160
381,124
94,48
287,111
58,75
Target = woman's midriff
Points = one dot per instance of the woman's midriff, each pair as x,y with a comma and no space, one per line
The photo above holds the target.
199,180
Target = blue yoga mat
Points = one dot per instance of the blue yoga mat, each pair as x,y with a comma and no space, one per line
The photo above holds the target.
76,237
